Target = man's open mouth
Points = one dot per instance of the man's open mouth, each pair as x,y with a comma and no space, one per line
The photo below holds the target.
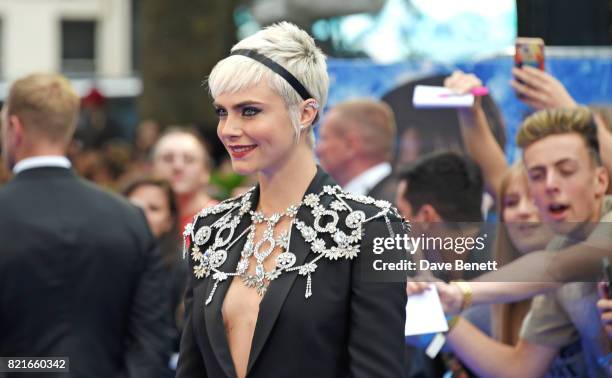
557,208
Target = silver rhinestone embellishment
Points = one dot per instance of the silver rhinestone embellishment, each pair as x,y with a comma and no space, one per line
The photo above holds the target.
202,235
218,258
354,219
285,260
330,226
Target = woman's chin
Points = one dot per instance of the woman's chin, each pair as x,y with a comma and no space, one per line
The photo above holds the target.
242,169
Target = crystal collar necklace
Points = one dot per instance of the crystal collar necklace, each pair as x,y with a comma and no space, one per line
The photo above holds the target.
221,233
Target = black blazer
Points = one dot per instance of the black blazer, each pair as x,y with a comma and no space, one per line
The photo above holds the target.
79,277
349,327
385,189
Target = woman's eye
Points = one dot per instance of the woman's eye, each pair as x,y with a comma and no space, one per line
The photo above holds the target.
250,111
511,202
220,112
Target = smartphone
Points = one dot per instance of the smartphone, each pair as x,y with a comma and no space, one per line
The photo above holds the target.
529,51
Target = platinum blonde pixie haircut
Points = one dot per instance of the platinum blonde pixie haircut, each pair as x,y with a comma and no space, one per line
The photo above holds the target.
290,47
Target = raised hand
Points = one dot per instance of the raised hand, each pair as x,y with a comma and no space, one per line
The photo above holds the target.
461,82
539,89
450,294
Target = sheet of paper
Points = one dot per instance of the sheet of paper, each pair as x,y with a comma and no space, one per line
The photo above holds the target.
424,314
427,96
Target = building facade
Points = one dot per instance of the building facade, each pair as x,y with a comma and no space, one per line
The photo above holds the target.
84,39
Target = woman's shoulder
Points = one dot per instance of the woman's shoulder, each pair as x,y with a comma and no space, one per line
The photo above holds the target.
208,221
357,212
211,214
217,210
371,207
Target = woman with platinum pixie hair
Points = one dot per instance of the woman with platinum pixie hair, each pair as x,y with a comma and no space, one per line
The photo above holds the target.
276,285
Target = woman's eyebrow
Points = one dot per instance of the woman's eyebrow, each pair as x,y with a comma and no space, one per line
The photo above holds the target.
246,103
240,104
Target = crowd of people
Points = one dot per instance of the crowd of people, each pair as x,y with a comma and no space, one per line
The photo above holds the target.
269,281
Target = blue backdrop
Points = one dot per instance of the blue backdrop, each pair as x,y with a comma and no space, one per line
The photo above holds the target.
587,80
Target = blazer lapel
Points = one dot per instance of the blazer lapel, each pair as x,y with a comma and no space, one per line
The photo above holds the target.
215,327
272,302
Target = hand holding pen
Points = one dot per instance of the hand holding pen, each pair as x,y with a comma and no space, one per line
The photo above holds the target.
462,83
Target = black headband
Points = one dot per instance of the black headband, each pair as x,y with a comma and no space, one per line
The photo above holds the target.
292,80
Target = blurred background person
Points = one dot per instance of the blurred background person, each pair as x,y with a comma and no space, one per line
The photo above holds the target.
520,231
158,202
147,133
180,157
356,145
440,194
93,166
96,126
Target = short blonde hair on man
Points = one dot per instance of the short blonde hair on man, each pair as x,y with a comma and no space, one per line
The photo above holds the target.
288,46
561,121
46,104
375,123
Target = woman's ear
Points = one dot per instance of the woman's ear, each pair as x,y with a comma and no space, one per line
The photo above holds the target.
309,111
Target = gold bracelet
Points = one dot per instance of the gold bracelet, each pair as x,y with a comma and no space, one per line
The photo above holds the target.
466,290
452,322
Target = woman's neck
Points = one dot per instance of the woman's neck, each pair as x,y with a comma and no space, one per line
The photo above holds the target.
286,184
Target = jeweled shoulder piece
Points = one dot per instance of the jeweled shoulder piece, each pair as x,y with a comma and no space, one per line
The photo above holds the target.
335,233
203,234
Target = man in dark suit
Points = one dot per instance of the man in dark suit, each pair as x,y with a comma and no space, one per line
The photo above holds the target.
441,194
80,274
356,144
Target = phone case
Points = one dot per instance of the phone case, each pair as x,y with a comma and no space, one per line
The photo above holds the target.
529,51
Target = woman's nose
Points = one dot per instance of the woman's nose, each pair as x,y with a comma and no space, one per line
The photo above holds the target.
230,127
527,209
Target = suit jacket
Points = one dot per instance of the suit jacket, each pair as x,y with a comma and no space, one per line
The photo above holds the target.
80,278
385,189
348,327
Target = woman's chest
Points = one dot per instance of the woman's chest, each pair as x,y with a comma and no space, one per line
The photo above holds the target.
240,306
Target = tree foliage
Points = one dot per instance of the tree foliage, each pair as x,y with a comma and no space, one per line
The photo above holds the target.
180,42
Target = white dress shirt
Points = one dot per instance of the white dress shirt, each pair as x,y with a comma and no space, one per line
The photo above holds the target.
364,182
41,161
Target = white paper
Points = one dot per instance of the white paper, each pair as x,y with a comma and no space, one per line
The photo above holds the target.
424,313
427,96
435,345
